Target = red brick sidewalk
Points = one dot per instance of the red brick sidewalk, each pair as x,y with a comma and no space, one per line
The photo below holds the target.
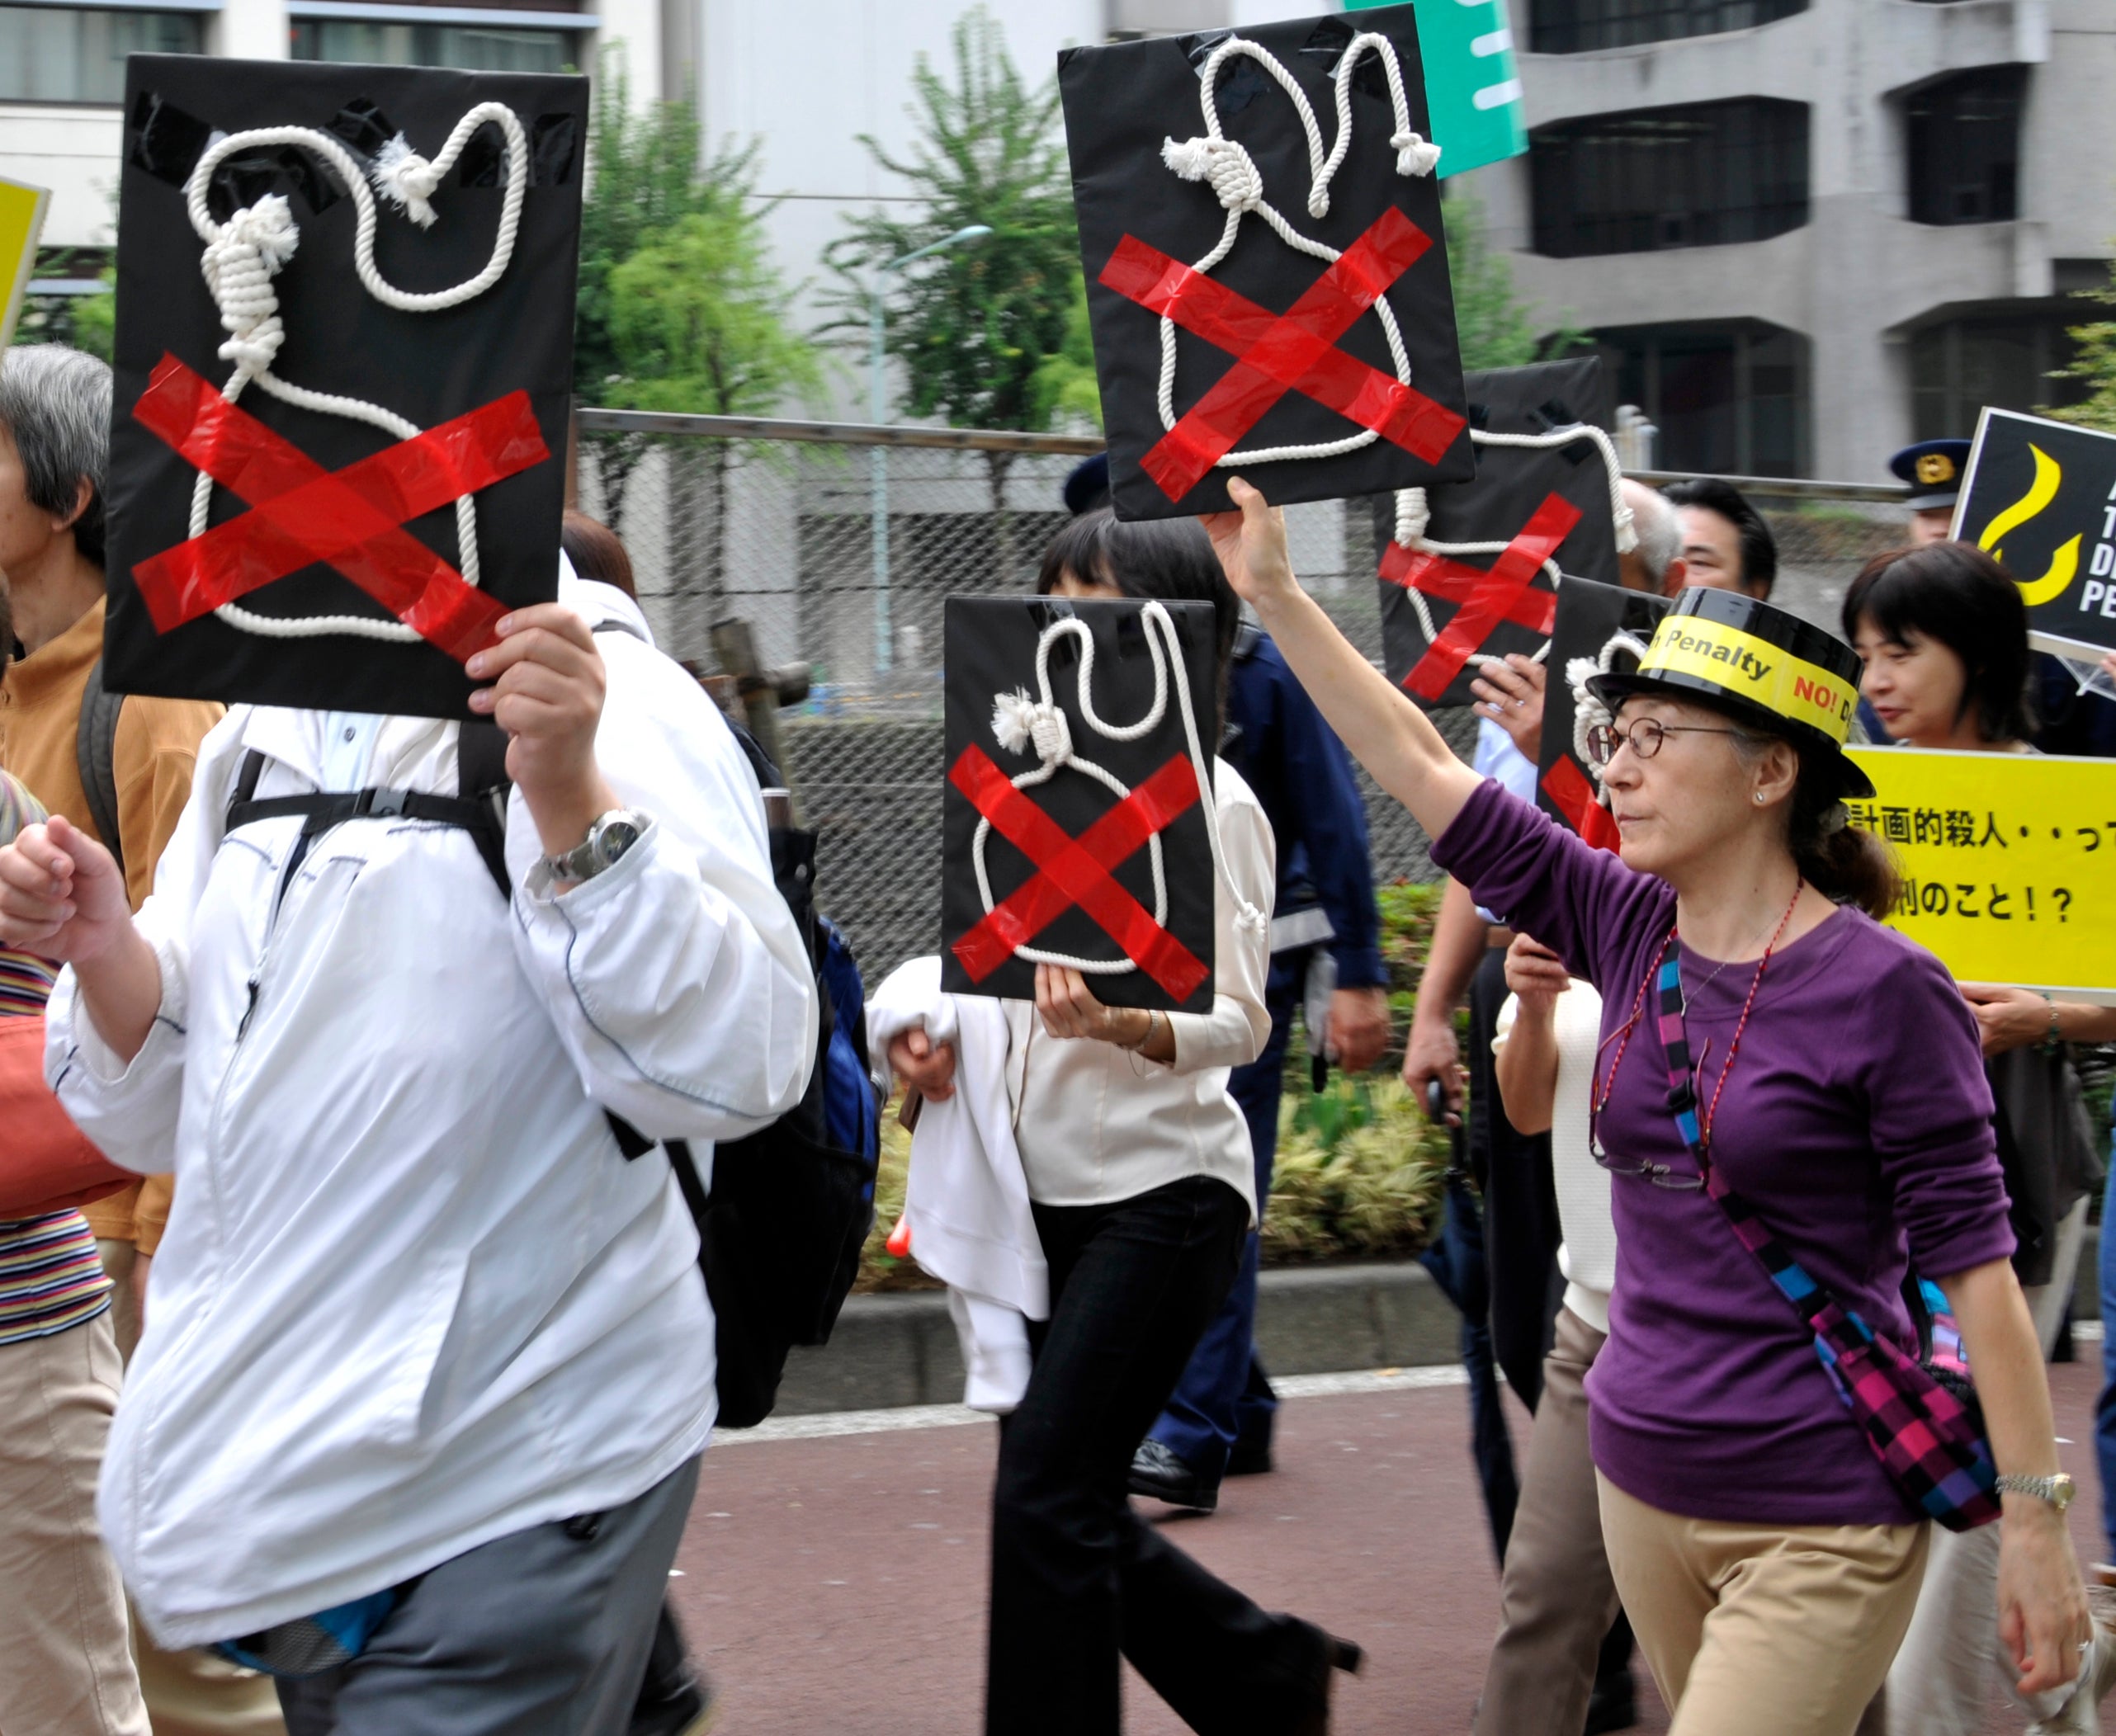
836,1586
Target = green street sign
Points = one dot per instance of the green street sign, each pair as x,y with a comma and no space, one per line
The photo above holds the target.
1470,84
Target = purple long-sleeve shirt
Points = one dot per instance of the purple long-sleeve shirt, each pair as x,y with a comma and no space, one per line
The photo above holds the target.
1856,1120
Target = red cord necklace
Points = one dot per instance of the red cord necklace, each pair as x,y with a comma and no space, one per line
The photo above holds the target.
1600,1099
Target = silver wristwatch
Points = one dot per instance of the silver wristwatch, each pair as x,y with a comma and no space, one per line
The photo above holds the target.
2057,1490
611,835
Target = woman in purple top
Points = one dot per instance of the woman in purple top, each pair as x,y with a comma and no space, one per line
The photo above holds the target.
1768,1563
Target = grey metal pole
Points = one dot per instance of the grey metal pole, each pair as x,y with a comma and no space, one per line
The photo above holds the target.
878,476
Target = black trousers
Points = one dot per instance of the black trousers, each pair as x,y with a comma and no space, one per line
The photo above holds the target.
1078,1577
1521,1233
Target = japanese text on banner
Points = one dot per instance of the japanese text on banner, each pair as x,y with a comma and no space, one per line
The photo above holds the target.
2009,863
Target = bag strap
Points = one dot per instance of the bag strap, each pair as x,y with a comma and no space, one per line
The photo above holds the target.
1818,1307
95,753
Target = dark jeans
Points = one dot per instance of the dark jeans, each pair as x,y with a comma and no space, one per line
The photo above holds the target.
1223,1396
1456,1259
1076,1575
2104,1419
1521,1232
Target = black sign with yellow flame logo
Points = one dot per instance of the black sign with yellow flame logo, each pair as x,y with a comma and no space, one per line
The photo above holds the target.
2041,497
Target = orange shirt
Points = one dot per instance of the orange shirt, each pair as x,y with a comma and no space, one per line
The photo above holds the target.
156,747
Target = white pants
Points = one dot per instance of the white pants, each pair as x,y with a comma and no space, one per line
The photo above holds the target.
1941,1679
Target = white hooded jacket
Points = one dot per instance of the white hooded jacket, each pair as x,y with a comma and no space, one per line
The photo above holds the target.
411,1297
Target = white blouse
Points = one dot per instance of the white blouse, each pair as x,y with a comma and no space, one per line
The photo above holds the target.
1097,1124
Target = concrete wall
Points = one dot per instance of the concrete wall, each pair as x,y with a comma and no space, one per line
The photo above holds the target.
1859,274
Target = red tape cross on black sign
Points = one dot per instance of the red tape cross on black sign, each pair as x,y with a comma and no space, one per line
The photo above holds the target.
351,519
1078,871
1276,353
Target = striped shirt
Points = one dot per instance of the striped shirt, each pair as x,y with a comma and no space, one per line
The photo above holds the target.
51,1277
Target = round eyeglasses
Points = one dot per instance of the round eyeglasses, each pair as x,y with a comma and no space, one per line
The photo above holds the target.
1643,738
1660,1175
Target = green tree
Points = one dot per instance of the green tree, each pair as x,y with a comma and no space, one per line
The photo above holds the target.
973,327
1494,328
1063,389
697,324
2094,365
649,172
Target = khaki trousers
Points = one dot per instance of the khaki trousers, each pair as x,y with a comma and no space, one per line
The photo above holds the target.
189,1693
1557,1597
1758,1630
65,1667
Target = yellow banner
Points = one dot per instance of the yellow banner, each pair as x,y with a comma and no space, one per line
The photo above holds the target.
21,222
2009,863
1753,668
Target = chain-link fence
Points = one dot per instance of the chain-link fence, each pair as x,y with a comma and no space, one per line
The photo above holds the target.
775,522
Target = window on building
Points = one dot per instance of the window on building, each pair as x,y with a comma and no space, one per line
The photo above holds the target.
1574,27
1730,399
1963,146
2003,358
472,47
1696,175
76,54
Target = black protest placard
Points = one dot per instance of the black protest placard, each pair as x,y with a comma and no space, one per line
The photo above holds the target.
1320,370
1516,489
361,331
1064,865
1589,616
2041,497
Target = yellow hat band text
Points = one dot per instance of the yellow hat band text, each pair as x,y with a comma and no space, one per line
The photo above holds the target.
1754,669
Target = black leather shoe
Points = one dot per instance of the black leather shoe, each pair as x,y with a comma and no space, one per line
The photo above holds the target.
686,1712
1613,1705
1337,1654
1156,1470
1250,1459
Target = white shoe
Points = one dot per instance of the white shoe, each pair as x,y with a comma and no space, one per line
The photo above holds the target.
2072,1711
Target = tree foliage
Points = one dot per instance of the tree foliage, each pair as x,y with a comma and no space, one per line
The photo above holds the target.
2093,365
972,326
1063,390
1494,328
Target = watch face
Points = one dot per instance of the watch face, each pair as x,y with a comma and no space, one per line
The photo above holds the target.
614,838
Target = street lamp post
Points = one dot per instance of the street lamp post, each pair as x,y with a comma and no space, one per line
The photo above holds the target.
878,413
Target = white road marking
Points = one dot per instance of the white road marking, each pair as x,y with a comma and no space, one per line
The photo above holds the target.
831,1424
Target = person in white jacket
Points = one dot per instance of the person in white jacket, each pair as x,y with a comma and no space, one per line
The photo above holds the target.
428,1367
1141,1187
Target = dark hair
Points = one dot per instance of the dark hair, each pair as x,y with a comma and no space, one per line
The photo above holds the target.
1956,593
596,552
56,406
1171,558
1759,547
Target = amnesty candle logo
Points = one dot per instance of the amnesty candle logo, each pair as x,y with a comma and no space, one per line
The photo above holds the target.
2041,497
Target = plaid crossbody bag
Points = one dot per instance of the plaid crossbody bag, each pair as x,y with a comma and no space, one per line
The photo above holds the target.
1919,1416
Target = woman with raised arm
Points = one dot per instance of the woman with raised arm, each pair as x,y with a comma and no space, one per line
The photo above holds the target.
1767,1561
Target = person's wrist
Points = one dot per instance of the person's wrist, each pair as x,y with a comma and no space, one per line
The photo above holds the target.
1135,1028
564,814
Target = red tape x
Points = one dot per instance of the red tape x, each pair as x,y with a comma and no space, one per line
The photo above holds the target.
351,519
1076,870
1277,353
1486,598
1573,796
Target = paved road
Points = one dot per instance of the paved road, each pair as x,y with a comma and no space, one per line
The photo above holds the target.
835,1585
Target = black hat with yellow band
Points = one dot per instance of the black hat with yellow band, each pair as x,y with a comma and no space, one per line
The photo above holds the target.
1757,664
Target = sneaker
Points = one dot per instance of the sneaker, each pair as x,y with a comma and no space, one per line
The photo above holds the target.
1157,1471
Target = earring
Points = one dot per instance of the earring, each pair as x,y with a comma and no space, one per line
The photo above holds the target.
1760,795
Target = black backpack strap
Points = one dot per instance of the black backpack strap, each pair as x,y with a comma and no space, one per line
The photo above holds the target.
482,782
95,750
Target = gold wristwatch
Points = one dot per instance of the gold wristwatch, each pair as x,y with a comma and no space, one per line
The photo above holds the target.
2057,1490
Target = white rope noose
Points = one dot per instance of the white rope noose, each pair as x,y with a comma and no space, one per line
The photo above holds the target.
1414,512
1588,712
245,253
1022,725
1226,166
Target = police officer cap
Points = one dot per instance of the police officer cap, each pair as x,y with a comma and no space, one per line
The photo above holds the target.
1933,469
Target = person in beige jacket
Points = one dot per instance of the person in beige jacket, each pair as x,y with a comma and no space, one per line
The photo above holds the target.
55,438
